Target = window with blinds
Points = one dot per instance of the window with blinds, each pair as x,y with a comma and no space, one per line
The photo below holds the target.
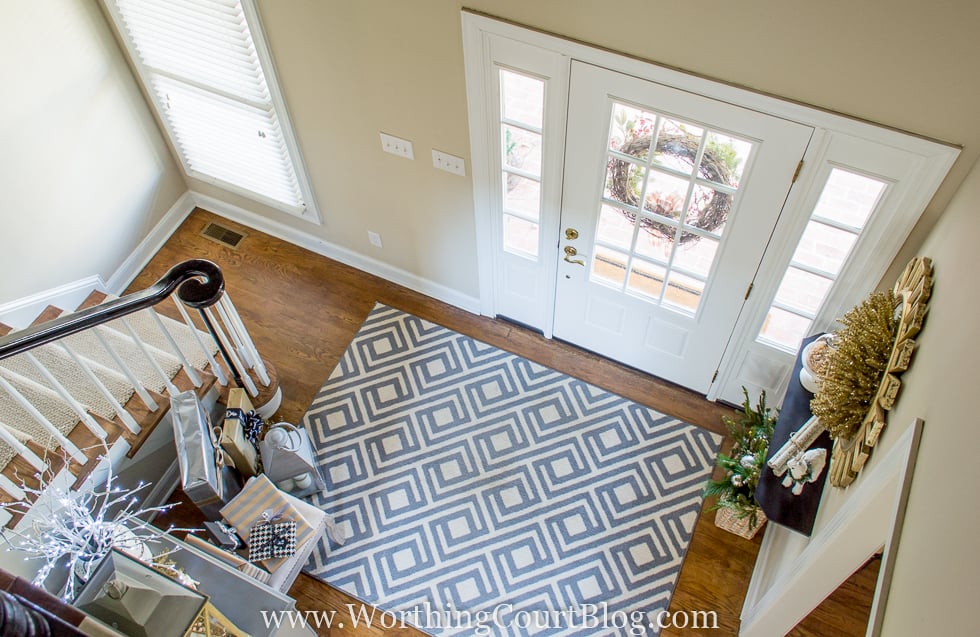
205,67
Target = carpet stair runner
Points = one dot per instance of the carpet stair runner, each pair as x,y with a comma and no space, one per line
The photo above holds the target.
24,376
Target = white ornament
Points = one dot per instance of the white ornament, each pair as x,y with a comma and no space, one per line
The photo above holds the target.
804,468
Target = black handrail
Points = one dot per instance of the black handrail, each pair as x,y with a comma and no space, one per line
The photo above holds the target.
198,282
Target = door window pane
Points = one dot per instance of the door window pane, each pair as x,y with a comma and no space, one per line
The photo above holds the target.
695,254
522,149
709,209
684,291
623,182
521,140
522,98
724,159
803,291
677,145
848,198
655,240
824,247
615,227
647,278
665,195
520,236
522,195
843,208
785,328
631,131
609,266
682,217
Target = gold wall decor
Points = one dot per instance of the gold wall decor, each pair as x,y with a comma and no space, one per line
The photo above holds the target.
912,291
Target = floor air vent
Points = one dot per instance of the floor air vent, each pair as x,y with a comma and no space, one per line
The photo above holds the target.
224,236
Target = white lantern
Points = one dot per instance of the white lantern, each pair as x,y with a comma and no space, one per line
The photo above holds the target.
287,458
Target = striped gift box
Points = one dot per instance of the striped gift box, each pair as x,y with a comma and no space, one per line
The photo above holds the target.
257,496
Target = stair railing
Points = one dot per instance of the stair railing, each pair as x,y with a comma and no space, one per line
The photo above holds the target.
197,284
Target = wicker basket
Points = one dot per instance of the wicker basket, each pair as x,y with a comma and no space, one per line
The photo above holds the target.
727,519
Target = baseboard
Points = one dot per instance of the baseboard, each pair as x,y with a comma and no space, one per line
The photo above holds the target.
338,253
150,245
19,313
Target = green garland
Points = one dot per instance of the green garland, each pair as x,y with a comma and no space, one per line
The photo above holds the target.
752,433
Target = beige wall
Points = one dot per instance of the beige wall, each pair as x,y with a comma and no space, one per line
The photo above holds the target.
84,172
351,69
938,565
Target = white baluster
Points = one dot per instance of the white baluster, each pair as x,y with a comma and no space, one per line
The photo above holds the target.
142,347
242,370
15,492
236,320
133,378
188,368
59,389
120,410
22,450
235,336
25,404
215,368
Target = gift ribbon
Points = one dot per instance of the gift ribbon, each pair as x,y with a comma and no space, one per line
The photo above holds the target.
279,538
251,423
221,459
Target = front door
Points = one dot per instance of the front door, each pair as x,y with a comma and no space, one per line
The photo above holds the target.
668,202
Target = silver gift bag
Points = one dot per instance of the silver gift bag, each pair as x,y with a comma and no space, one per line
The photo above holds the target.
206,476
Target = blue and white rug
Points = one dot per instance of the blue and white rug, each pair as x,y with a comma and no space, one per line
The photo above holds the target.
483,493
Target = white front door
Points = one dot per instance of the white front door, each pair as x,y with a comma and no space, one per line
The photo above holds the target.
668,203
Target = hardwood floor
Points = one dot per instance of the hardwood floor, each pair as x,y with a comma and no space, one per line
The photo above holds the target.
302,311
847,610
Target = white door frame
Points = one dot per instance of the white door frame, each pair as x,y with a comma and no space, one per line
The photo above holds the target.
478,31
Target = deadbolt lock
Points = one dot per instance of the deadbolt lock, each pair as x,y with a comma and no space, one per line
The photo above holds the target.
571,234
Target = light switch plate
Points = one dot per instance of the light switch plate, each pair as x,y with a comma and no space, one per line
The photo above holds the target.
449,163
397,146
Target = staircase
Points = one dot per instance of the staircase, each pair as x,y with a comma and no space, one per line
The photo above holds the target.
74,385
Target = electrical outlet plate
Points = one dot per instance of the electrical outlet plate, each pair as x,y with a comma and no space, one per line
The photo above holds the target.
397,146
374,238
449,163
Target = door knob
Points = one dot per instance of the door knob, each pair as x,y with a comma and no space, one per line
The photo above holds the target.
571,234
571,252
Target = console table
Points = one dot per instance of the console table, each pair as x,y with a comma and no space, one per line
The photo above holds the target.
797,512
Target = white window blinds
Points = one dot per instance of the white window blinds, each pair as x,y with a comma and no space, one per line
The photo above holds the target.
205,73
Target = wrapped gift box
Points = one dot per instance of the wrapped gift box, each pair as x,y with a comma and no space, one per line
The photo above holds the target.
239,418
261,496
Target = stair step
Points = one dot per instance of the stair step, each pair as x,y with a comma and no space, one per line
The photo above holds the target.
20,472
93,448
56,411
72,378
182,383
150,333
24,376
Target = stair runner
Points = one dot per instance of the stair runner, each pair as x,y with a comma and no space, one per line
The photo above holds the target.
24,376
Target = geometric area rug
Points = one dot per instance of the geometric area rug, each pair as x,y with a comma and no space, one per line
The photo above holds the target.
484,494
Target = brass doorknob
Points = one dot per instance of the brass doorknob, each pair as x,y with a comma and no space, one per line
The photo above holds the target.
570,252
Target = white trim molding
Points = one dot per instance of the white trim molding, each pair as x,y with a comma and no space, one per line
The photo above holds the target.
336,252
150,245
912,185
19,313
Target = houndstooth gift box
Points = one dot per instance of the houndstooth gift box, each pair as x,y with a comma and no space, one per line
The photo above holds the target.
269,540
